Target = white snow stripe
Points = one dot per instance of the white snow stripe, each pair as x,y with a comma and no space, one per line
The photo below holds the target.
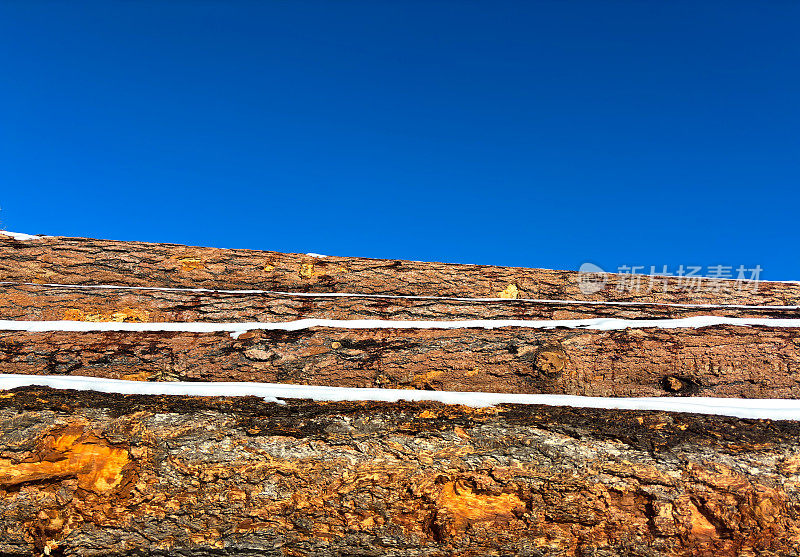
394,296
19,236
772,409
602,324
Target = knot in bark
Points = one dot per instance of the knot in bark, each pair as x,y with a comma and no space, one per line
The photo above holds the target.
550,360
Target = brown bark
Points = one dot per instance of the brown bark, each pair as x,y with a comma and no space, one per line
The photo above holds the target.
94,474
85,261
727,361
40,302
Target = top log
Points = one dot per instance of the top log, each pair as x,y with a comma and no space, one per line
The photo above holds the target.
82,261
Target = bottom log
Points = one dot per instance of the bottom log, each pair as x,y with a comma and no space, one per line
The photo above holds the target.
86,473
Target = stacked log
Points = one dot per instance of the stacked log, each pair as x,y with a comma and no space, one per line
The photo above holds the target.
91,473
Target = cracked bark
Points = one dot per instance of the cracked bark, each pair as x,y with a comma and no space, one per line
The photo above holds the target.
40,302
93,474
86,261
97,474
728,361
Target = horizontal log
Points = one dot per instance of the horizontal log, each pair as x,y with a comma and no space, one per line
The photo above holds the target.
90,474
51,303
86,261
725,360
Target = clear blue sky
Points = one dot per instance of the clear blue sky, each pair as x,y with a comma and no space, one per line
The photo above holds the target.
531,133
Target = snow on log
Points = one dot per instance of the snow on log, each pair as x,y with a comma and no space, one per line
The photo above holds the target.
722,360
241,429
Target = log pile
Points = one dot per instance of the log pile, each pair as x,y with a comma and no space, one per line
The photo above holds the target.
90,473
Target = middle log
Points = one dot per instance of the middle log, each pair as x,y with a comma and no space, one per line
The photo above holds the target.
722,360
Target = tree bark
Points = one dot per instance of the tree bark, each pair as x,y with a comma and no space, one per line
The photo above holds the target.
94,474
726,361
86,261
50,303
89,474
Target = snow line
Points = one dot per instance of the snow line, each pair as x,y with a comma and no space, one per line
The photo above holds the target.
393,296
771,409
236,329
19,236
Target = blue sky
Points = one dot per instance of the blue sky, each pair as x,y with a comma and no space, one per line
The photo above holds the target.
536,133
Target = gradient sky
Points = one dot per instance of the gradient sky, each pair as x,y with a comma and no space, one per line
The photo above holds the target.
535,133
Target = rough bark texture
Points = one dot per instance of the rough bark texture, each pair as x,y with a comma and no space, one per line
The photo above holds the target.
40,302
93,474
84,261
753,362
